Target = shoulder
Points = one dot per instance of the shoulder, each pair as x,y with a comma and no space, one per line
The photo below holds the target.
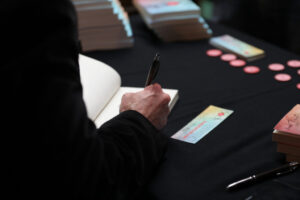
26,24
35,10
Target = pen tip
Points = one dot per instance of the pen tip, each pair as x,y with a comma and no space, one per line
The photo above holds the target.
156,56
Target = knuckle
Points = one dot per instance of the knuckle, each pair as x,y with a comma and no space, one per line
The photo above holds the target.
157,87
129,94
149,87
166,98
126,96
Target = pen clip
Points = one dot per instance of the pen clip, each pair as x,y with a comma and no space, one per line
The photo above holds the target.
292,167
285,172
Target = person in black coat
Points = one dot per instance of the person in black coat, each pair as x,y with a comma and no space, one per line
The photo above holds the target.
52,149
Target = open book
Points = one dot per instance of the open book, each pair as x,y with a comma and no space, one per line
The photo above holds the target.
102,91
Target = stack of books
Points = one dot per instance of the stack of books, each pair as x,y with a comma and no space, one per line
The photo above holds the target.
103,24
174,20
287,135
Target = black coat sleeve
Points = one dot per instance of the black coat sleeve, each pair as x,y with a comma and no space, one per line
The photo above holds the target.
53,149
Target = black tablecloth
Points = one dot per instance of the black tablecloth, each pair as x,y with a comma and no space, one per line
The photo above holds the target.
241,145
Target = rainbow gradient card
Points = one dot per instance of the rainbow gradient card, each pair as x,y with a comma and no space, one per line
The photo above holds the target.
233,45
200,126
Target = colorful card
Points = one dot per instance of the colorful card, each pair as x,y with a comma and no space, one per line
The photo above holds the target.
155,7
233,45
200,126
290,123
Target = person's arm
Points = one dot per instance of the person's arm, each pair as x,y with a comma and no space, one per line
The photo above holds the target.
57,151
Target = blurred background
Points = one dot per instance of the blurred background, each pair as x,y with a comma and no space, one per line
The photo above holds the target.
274,21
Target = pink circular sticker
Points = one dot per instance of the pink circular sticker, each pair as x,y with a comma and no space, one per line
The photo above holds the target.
276,67
282,77
251,69
213,52
228,57
293,63
237,63
172,3
298,86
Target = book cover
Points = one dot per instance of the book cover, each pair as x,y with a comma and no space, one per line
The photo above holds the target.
233,45
290,123
165,7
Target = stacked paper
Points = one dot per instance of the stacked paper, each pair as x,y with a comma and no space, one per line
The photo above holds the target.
103,24
287,135
173,20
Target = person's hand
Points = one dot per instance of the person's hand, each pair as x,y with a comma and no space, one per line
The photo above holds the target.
152,102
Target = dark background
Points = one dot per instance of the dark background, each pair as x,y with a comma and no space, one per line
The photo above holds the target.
274,21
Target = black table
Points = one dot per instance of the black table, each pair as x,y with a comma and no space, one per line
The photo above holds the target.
238,147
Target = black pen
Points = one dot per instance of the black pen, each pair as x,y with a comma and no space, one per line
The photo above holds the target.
287,168
153,70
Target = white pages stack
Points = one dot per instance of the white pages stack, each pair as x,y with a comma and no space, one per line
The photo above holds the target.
103,24
174,20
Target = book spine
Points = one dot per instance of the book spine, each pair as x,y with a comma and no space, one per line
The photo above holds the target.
288,149
292,158
286,140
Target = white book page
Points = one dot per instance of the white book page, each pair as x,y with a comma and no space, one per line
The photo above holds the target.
100,82
112,109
